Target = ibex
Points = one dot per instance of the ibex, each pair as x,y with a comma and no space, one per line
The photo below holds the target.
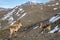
14,28
45,25
48,26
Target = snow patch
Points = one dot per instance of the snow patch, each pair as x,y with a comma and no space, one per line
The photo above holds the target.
41,8
58,13
59,31
49,5
18,14
54,18
9,14
55,8
22,16
53,5
55,29
20,9
57,3
12,23
10,19
18,18
42,32
36,27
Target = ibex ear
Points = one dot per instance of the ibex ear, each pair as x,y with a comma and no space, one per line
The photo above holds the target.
41,25
49,27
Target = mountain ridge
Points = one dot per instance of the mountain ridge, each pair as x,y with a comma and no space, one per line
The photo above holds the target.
35,13
31,16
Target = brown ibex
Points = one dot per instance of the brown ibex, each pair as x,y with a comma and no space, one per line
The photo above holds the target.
14,28
45,25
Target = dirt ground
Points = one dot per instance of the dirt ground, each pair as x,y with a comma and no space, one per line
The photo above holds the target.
29,35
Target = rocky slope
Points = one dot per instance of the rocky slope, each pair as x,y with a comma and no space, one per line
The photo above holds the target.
30,16
32,13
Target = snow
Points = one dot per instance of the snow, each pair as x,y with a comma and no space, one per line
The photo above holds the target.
57,3
55,29
9,14
59,31
4,18
20,9
58,13
22,16
42,32
18,19
53,5
49,5
12,23
36,27
59,28
18,12
41,8
10,19
54,18
55,8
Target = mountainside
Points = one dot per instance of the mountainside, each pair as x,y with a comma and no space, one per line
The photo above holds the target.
1,9
31,15
37,13
4,9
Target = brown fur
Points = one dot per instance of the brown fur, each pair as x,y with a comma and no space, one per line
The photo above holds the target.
14,28
45,25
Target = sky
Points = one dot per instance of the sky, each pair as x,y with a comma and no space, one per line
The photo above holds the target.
13,3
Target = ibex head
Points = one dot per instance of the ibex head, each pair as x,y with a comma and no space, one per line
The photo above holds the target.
20,24
40,25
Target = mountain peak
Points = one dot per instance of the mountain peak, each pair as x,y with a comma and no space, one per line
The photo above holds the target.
29,3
